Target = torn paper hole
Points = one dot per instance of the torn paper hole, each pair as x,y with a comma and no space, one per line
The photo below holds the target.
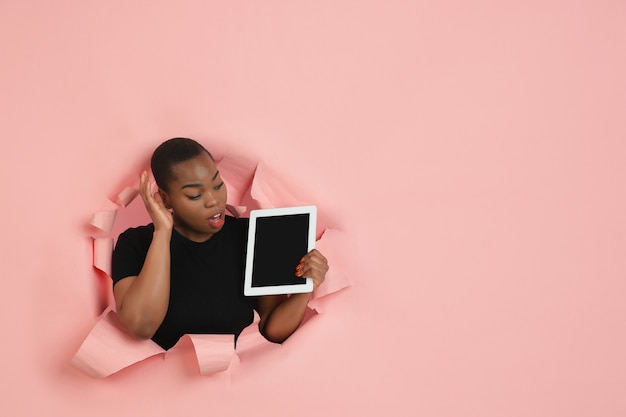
108,348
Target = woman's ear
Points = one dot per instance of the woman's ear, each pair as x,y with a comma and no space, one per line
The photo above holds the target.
165,198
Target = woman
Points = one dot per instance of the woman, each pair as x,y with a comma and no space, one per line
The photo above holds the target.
184,272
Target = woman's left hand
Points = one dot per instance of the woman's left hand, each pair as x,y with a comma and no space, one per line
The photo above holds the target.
313,265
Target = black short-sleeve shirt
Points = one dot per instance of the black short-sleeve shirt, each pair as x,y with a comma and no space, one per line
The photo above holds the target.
206,280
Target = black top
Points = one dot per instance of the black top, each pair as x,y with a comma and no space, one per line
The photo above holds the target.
206,280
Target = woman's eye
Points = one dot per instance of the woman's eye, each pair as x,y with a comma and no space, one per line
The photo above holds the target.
219,186
194,197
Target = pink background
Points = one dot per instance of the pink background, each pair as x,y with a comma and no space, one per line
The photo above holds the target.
475,150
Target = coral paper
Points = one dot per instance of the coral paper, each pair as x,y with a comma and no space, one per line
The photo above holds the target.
109,349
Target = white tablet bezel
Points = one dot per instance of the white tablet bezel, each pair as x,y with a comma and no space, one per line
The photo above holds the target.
307,284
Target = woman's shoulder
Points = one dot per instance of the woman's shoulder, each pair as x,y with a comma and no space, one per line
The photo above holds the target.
138,234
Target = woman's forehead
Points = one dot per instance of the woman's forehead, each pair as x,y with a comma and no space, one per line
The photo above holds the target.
200,168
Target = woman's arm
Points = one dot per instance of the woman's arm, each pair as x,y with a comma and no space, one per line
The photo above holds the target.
142,300
281,315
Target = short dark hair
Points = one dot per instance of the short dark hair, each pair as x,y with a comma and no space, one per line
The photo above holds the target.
170,153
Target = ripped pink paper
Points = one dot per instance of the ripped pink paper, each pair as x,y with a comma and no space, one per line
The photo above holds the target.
268,192
105,218
332,244
109,348
102,253
214,352
236,211
237,174
127,195
251,342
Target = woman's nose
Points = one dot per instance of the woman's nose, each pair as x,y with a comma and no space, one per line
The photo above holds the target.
209,199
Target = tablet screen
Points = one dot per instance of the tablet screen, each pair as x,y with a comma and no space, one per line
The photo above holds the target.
279,243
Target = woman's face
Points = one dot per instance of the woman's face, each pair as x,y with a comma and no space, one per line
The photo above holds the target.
197,196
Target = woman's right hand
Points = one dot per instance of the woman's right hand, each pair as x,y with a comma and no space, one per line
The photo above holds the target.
161,216
142,299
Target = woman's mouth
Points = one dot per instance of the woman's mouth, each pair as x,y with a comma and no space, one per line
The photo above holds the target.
217,220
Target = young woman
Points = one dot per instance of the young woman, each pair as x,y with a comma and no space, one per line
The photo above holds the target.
183,273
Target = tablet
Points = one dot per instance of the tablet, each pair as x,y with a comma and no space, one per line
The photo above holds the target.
277,239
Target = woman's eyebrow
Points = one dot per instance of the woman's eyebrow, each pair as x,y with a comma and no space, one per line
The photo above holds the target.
198,184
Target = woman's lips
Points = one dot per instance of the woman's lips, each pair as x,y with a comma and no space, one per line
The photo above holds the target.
217,220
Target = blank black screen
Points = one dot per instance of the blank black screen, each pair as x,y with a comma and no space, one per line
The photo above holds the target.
280,242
